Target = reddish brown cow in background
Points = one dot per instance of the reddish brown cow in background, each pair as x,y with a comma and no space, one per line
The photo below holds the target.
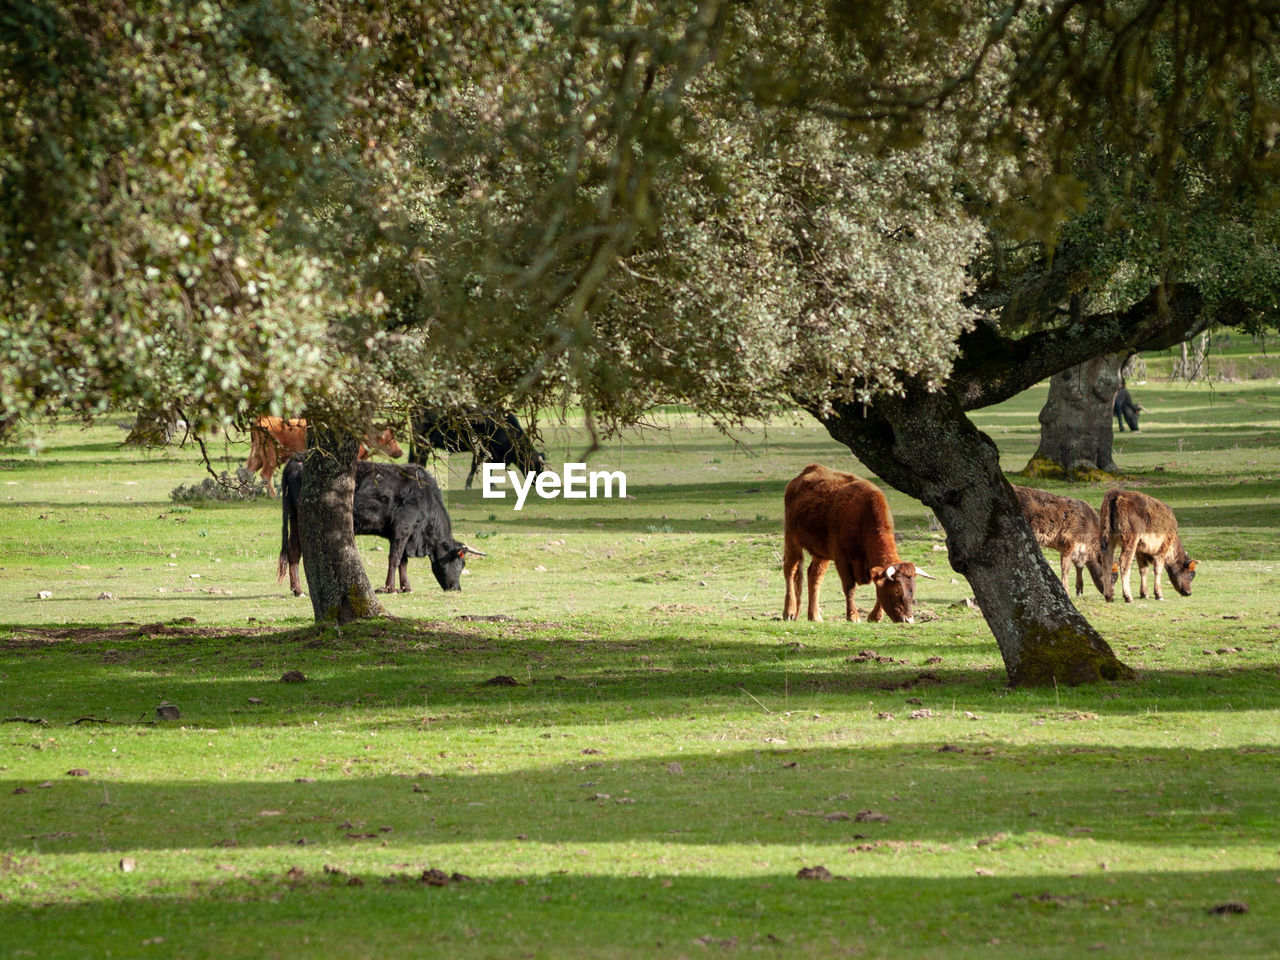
840,517
1146,529
1072,528
273,440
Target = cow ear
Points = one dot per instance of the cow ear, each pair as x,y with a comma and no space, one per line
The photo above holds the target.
878,574
1191,565
462,553
1115,568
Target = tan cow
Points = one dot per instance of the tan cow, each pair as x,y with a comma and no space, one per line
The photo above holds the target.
273,440
1145,529
839,517
1072,528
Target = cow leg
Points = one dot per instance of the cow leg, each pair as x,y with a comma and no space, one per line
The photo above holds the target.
1079,580
395,556
817,570
267,473
404,576
475,465
1128,550
1155,580
792,560
1066,570
849,584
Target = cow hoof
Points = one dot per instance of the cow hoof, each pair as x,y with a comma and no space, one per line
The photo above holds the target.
297,593
384,590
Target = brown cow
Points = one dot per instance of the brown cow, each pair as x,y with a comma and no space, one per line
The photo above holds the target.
1072,528
273,440
1146,529
841,517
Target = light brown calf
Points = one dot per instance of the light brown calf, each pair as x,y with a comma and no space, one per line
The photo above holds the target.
1072,528
273,440
840,517
1145,529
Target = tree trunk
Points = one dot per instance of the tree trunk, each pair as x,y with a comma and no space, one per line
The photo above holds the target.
340,589
1075,422
925,446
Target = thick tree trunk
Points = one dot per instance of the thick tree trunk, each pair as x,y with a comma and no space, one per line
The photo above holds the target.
339,588
1075,422
925,446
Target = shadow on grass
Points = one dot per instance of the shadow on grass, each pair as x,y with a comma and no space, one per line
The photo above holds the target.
364,913
980,795
550,673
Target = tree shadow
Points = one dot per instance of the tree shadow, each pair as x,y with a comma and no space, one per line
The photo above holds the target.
950,796
213,674
360,911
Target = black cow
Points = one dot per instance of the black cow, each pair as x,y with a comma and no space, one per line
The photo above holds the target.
490,436
1125,410
402,504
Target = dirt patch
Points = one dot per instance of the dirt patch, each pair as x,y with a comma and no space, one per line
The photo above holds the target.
40,636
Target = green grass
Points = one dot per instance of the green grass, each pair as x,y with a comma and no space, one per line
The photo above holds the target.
672,754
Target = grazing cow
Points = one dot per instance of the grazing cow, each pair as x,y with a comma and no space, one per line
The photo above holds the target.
489,436
1146,529
272,440
840,517
1072,528
401,504
1125,410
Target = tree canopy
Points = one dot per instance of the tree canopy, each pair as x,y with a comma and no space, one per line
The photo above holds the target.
268,205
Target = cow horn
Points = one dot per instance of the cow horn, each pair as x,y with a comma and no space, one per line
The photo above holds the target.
472,551
888,572
925,573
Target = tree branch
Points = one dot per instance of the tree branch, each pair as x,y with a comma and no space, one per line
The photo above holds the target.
993,367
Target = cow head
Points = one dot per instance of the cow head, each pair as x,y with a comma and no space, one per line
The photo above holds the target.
384,442
1181,572
896,589
448,566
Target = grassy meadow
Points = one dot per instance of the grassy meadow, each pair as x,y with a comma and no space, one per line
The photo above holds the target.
608,744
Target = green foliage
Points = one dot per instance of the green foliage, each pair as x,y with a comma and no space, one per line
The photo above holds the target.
272,207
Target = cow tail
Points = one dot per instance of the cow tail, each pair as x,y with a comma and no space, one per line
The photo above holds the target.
1109,518
282,565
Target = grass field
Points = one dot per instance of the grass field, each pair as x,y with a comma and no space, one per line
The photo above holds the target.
610,737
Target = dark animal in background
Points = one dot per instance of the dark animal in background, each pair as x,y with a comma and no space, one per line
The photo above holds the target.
1145,529
1125,410
401,504
490,436
1072,528
840,517
273,440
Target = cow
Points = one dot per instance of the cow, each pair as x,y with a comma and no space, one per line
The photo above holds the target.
1072,528
487,434
1125,410
399,503
272,440
840,517
1145,529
